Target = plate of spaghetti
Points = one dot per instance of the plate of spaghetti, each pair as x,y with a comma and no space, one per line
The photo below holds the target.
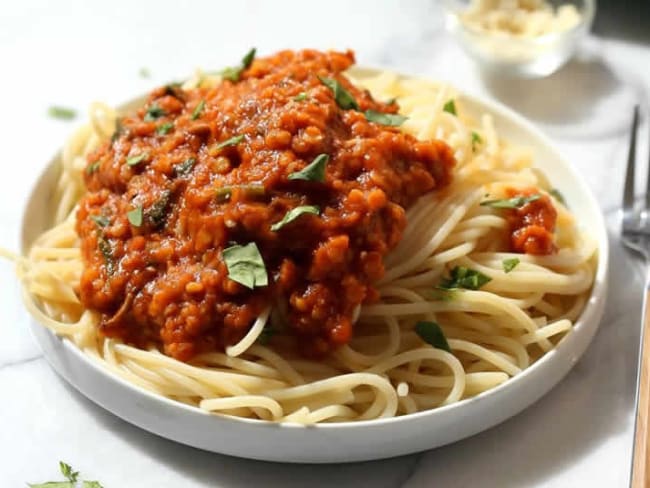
293,259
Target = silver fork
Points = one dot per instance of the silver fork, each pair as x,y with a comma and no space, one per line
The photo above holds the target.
636,236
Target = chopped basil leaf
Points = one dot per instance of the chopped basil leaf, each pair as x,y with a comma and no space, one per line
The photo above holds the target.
135,216
153,112
231,74
293,214
198,109
100,220
266,334
158,211
431,333
144,73
119,128
515,202
107,251
223,194
301,97
314,171
233,141
394,120
450,107
251,190
462,277
234,73
476,139
343,98
509,264
248,58
137,159
555,193
61,113
164,128
91,168
172,89
185,167
245,265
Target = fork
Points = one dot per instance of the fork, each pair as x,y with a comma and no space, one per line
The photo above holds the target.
635,236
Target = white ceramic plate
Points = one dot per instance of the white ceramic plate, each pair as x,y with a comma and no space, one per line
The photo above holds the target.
349,442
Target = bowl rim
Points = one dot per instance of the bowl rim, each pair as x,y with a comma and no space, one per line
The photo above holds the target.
593,304
587,11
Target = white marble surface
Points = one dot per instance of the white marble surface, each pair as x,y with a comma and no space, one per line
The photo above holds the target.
71,53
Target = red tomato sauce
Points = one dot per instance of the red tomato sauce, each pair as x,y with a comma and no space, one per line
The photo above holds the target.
532,225
161,278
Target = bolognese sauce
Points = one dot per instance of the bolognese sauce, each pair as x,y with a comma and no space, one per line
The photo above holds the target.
532,225
280,158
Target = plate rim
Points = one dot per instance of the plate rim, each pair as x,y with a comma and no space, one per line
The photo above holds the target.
593,310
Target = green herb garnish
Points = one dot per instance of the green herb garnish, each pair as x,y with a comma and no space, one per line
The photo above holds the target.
107,251
137,159
432,333
233,141
164,128
68,472
555,193
462,277
515,202
172,89
343,98
234,73
293,214
72,478
509,264
314,171
53,484
62,113
245,265
185,167
119,128
450,107
100,220
91,168
266,334
198,109
301,97
158,211
248,58
135,216
144,73
251,190
476,139
153,112
394,120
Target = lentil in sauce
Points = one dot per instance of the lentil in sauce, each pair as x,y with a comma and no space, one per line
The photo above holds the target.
193,172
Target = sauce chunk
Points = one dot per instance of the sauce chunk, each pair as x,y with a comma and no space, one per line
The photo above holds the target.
193,172
533,224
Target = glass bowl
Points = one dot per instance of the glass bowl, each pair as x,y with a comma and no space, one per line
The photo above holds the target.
511,55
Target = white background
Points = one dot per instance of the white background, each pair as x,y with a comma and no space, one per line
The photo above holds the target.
71,53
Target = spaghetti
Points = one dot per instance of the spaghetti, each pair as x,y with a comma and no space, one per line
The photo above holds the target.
493,332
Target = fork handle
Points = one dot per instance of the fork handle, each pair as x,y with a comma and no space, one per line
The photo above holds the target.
641,453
